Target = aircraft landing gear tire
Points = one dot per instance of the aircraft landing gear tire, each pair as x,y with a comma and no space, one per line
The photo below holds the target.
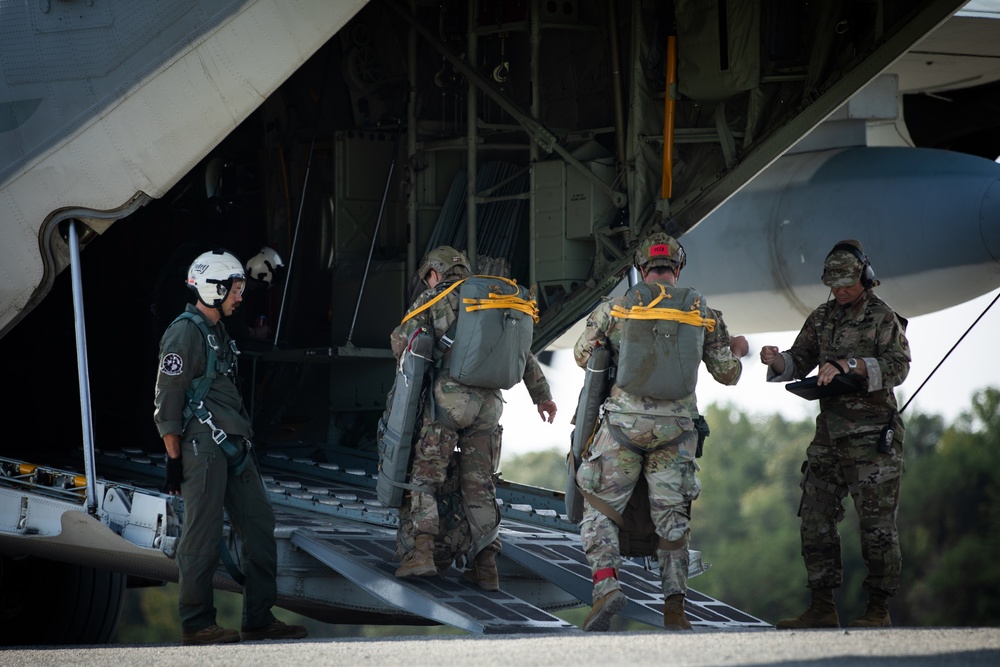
45,602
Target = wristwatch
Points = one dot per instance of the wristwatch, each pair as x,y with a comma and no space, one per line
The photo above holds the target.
852,363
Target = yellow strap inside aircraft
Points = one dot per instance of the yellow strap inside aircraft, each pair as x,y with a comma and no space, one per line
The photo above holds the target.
651,312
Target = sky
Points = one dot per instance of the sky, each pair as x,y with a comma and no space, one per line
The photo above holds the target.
972,366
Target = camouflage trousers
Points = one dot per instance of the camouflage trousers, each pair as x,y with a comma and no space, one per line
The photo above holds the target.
610,472
467,421
833,469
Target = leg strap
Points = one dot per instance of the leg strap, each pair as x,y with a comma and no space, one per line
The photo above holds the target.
605,573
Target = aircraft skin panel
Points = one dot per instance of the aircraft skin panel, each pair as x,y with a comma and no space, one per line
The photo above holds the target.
759,257
151,121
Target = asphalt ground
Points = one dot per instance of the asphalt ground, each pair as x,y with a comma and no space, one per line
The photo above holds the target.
905,647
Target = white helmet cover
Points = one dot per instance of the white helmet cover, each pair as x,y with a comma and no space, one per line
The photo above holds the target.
212,274
263,265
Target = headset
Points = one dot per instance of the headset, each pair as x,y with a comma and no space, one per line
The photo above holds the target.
868,278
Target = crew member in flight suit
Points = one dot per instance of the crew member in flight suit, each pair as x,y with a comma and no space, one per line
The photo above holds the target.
209,462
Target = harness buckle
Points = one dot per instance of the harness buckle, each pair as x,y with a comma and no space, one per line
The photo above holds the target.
218,435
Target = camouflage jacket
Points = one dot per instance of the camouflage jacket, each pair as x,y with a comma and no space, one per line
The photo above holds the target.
439,318
601,327
868,329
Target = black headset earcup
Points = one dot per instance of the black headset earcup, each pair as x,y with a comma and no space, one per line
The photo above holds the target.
868,279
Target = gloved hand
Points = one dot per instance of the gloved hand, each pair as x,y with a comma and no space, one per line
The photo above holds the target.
175,475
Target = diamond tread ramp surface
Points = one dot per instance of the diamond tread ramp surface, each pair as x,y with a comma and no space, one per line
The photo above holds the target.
559,558
366,560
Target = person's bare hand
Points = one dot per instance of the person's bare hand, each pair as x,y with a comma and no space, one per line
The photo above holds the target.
547,410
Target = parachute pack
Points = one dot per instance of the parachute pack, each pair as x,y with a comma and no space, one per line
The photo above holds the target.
662,340
491,339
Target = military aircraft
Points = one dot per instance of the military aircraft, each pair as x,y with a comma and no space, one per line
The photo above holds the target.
345,136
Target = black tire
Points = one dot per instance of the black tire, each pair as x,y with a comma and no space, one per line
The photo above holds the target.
46,602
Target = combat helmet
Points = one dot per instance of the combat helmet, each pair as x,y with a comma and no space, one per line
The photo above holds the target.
211,276
264,264
660,249
444,260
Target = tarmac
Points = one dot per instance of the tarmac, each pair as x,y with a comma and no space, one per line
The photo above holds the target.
907,647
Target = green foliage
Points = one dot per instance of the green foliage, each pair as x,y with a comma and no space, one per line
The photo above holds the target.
545,469
950,523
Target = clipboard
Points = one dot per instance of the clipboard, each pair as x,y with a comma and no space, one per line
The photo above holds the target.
844,383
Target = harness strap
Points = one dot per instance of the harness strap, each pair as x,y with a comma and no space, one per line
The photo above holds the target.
430,303
199,388
619,436
603,507
411,487
230,563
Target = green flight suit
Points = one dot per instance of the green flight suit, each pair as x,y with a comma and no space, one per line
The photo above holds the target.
210,485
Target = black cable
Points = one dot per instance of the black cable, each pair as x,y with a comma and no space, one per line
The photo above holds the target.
949,352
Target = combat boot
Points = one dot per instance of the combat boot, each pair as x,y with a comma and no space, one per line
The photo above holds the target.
606,606
484,571
673,613
822,613
876,614
419,561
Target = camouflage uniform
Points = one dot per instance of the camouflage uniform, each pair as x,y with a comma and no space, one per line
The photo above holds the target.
460,416
843,456
610,471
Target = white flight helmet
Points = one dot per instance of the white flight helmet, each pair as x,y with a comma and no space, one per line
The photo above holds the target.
212,274
263,265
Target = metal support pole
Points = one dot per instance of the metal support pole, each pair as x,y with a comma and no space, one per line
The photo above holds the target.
83,372
470,133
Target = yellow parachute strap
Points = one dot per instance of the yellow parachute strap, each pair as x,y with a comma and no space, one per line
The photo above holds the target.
430,303
504,301
651,312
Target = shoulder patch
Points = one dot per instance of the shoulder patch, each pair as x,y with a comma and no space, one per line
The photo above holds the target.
172,364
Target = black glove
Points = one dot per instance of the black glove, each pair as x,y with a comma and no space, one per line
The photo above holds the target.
175,475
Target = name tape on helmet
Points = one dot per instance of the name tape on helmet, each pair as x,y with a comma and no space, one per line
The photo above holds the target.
660,249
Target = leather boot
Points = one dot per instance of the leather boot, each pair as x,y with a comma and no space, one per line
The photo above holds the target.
484,571
876,614
604,609
673,613
419,562
822,613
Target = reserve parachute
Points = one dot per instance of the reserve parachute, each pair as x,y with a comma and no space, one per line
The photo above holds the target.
662,340
396,428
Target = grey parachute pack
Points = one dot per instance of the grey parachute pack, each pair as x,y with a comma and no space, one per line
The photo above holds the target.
489,346
662,340
493,333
